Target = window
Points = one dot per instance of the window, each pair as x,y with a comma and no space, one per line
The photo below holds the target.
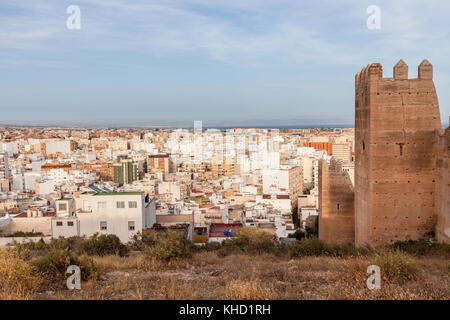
103,225
62,207
401,148
59,223
132,204
70,223
120,204
130,225
101,205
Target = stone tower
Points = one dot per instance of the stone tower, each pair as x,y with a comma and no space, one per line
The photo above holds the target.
443,186
395,151
336,203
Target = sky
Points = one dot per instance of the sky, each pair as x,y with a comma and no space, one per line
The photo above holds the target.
224,62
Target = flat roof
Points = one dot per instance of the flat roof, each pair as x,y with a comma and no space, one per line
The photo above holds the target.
117,193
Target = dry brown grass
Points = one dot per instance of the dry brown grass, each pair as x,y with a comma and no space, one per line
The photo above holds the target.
207,276
18,279
248,290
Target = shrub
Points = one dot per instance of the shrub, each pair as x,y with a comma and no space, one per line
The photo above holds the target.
103,245
88,267
169,245
211,246
298,234
71,243
18,279
341,249
396,266
251,240
40,245
316,247
308,247
365,251
141,241
421,247
54,263
26,234
313,231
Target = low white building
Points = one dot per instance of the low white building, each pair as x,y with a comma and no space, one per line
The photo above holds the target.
121,213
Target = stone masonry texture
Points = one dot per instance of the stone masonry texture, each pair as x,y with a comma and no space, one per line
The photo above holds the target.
336,203
398,167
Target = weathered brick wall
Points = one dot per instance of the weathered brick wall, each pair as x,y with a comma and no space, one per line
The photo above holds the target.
336,204
395,176
443,185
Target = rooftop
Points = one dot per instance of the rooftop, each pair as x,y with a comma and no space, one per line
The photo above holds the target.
118,193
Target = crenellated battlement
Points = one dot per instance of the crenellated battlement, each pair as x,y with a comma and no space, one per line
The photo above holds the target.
374,71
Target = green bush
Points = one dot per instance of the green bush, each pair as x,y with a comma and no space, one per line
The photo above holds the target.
396,266
313,231
422,247
251,240
365,251
341,249
316,247
141,241
308,247
53,265
40,245
103,245
26,234
169,245
71,243
211,246
298,234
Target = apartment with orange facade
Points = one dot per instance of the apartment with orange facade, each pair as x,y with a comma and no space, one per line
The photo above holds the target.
326,146
104,169
158,163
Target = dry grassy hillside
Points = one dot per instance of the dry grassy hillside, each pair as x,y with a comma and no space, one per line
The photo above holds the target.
252,266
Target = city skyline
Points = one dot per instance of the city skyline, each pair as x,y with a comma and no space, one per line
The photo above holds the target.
227,63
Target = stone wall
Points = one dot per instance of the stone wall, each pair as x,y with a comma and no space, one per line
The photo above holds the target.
336,203
443,186
10,241
395,151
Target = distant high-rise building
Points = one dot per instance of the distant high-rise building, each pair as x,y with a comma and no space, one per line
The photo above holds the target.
4,168
125,171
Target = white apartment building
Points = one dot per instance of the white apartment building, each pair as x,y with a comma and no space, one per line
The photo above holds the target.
286,179
57,146
4,168
9,147
171,188
121,213
342,151
118,144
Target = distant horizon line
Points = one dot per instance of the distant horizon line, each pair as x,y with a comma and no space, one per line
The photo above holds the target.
168,126
340,126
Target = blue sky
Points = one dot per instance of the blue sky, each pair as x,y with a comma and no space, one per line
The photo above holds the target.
136,62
